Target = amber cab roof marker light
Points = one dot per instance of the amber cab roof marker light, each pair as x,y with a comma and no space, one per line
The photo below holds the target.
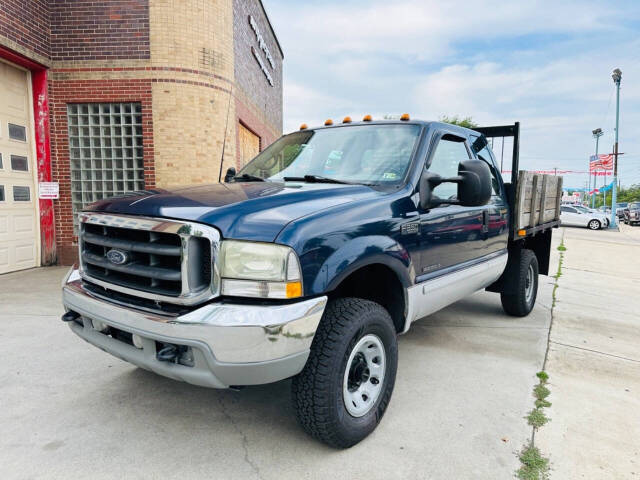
405,117
328,122
346,119
303,126
367,118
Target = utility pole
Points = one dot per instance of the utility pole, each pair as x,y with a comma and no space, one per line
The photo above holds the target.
617,77
597,133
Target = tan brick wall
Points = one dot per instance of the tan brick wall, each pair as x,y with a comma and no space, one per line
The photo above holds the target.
194,39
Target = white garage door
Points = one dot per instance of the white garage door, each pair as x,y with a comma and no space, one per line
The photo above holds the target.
18,227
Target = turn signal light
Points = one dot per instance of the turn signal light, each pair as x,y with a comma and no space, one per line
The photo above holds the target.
328,122
367,118
405,117
522,233
294,289
346,120
303,126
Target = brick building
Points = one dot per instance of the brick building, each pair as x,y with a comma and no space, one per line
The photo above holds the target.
100,98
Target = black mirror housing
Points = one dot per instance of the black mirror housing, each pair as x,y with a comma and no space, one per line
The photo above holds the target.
474,185
474,188
231,172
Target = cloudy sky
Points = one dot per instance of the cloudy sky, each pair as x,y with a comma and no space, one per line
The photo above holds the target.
545,64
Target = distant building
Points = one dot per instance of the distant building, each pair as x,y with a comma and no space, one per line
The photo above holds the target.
103,98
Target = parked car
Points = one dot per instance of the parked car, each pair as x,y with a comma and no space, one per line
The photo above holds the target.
632,213
576,216
605,210
310,261
588,210
620,210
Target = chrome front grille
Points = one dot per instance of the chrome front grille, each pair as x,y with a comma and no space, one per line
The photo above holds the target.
164,260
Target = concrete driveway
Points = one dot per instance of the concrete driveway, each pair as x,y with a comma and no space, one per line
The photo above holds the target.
71,411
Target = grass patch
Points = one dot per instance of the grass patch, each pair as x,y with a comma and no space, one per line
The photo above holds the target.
542,404
534,466
537,418
543,376
541,392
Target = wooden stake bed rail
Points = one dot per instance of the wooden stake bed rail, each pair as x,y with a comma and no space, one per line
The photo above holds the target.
537,203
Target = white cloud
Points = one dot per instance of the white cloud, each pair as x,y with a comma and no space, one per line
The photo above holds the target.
545,64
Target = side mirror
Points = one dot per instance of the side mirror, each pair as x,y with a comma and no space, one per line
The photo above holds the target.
474,189
474,185
231,172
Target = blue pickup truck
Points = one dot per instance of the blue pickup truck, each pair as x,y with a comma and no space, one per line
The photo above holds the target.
310,261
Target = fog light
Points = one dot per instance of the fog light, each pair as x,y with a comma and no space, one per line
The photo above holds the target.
137,341
100,326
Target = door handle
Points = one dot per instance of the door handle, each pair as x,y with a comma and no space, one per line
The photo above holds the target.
485,221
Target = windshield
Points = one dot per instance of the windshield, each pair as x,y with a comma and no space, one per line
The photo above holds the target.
369,154
634,206
582,209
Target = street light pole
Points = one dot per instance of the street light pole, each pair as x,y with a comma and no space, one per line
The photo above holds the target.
597,133
617,77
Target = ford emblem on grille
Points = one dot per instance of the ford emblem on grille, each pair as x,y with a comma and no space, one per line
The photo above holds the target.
117,257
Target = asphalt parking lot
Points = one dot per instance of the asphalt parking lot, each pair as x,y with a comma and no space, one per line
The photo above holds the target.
71,411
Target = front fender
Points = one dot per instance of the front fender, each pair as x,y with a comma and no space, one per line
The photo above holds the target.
360,252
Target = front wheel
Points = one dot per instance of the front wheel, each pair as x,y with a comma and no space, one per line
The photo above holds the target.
344,389
522,279
594,224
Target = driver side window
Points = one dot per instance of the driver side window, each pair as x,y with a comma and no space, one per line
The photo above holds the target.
450,151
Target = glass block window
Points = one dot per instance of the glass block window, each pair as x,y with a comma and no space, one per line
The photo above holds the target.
105,149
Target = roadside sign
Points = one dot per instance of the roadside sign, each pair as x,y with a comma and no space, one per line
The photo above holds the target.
49,190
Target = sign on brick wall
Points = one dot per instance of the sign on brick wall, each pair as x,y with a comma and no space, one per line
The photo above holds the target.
264,48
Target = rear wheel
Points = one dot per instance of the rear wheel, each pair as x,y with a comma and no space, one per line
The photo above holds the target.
594,224
523,285
344,389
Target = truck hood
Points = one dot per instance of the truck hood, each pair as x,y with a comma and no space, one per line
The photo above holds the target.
246,211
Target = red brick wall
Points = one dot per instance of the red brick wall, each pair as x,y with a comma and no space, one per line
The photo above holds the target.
26,22
89,91
99,30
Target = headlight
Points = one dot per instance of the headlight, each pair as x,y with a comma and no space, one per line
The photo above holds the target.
263,270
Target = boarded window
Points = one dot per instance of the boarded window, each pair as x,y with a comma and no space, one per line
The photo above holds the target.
249,145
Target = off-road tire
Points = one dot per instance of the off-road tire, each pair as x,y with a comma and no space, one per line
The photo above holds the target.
318,389
517,303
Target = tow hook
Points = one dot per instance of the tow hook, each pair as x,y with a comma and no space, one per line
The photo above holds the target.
70,316
170,353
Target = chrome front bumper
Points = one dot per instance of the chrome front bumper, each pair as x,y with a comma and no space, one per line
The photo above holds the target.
232,344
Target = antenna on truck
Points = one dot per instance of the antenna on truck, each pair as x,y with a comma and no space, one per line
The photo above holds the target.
226,128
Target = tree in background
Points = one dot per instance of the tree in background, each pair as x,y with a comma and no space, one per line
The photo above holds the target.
466,122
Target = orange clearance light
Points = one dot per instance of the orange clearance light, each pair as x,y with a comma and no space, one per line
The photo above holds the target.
346,120
303,126
328,122
405,117
367,118
522,233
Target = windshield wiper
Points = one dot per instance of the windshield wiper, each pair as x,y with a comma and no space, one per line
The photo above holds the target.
316,179
249,178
